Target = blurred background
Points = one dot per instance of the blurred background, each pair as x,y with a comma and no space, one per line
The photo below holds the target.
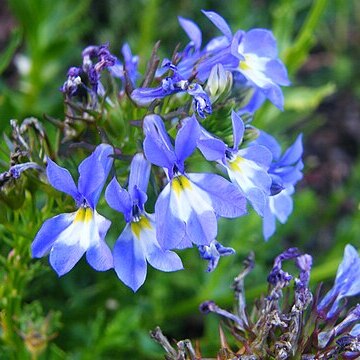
89,315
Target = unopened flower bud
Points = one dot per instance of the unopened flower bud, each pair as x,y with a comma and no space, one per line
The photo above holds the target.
219,82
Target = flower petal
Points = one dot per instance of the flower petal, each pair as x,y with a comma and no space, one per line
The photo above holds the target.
260,42
118,198
98,254
186,139
212,149
170,229
139,173
157,146
61,180
192,31
236,47
238,129
277,72
48,233
129,260
226,198
258,154
275,95
63,257
281,205
270,143
93,173
257,199
164,260
293,153
347,282
201,227
145,96
219,22
193,206
269,223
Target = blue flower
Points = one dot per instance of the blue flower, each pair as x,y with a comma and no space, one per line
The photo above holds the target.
172,85
68,236
253,54
247,167
285,172
137,244
351,319
347,283
186,210
213,252
168,86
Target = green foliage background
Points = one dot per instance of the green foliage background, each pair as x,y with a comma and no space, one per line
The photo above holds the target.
89,315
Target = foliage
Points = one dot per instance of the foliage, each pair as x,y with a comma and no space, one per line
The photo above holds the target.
88,315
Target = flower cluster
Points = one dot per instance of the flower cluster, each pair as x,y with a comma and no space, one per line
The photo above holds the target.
283,325
183,97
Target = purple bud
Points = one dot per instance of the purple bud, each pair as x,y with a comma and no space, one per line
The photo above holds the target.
74,71
304,263
277,275
71,85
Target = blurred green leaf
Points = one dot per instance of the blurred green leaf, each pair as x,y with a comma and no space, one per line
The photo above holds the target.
8,53
307,99
296,55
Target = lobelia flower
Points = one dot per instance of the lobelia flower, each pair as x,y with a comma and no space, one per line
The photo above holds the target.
68,236
253,54
137,244
172,85
169,85
247,167
213,252
347,283
352,318
285,172
186,210
192,55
